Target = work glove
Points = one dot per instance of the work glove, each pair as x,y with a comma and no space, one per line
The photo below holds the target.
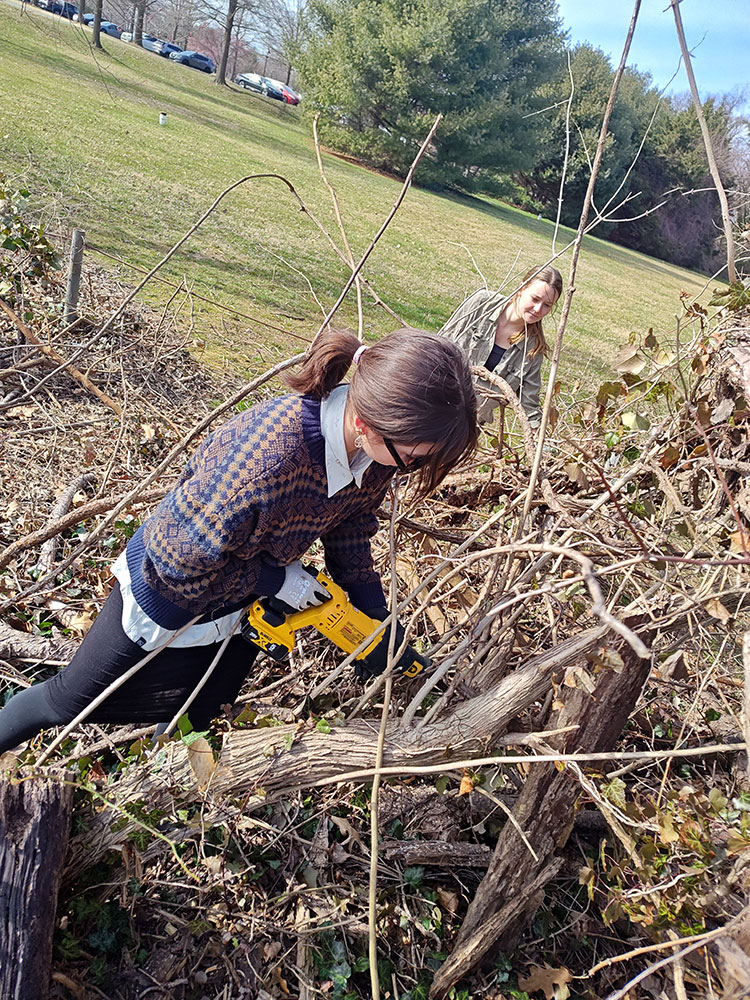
376,662
301,588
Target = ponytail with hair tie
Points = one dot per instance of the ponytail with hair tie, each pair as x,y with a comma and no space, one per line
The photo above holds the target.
326,365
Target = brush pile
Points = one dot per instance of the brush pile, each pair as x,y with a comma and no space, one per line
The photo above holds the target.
598,608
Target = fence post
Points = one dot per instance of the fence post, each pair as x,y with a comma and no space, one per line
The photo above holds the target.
70,314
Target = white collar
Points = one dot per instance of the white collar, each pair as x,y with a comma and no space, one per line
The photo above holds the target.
339,471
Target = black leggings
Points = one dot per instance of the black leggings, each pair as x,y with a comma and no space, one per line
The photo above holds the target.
153,694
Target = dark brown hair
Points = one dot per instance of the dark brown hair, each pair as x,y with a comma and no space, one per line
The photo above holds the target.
553,279
411,386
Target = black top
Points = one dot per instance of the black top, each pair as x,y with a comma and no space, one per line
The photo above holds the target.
495,357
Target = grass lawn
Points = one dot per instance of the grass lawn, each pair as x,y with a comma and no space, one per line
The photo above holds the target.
81,130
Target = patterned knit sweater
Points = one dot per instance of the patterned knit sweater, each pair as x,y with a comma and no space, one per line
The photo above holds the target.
253,499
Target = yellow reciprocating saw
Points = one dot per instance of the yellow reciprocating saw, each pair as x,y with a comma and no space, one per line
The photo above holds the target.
271,625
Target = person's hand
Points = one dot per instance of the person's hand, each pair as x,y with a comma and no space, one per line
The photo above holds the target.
375,663
301,588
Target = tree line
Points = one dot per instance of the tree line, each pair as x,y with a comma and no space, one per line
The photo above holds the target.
520,107
379,71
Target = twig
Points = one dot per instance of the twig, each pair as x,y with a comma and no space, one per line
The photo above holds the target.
710,936
648,949
565,158
86,712
335,201
202,682
746,693
372,916
555,361
200,298
582,758
47,554
397,204
32,338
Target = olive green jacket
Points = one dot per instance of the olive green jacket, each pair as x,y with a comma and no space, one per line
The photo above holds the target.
472,327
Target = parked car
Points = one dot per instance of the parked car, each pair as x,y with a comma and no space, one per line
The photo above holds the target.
195,59
273,89
126,36
110,28
69,10
86,19
289,95
53,6
151,42
167,48
251,81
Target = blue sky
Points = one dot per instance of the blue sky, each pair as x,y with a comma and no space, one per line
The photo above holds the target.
717,33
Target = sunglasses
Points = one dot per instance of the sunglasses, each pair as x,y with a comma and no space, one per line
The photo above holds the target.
412,465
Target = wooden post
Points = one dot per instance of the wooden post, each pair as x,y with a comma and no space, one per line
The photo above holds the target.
34,828
70,314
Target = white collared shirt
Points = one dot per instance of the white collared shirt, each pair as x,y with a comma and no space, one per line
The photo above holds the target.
339,471
144,632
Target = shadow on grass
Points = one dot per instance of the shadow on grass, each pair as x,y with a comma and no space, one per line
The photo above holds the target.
246,283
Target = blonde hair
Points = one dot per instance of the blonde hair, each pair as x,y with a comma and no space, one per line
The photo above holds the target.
553,279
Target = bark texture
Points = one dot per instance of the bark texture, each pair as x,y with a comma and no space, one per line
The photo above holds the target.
512,889
34,826
264,764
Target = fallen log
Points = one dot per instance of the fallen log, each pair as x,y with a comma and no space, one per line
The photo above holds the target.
71,519
262,765
545,811
15,645
34,826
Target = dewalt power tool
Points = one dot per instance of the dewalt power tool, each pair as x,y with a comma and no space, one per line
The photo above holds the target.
271,625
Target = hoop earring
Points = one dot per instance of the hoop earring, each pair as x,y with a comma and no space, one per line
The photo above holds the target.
358,441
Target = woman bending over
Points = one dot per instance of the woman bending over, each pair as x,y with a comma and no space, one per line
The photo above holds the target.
252,500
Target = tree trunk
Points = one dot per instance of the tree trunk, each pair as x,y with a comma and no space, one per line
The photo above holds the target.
235,54
140,13
278,760
34,827
15,645
221,72
545,812
96,32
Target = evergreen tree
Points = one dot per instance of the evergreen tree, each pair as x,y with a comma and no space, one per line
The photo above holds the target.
660,162
379,71
592,75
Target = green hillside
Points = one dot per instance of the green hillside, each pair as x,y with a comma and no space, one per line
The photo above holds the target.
81,130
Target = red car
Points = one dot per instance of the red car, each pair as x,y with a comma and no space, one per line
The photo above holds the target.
288,94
